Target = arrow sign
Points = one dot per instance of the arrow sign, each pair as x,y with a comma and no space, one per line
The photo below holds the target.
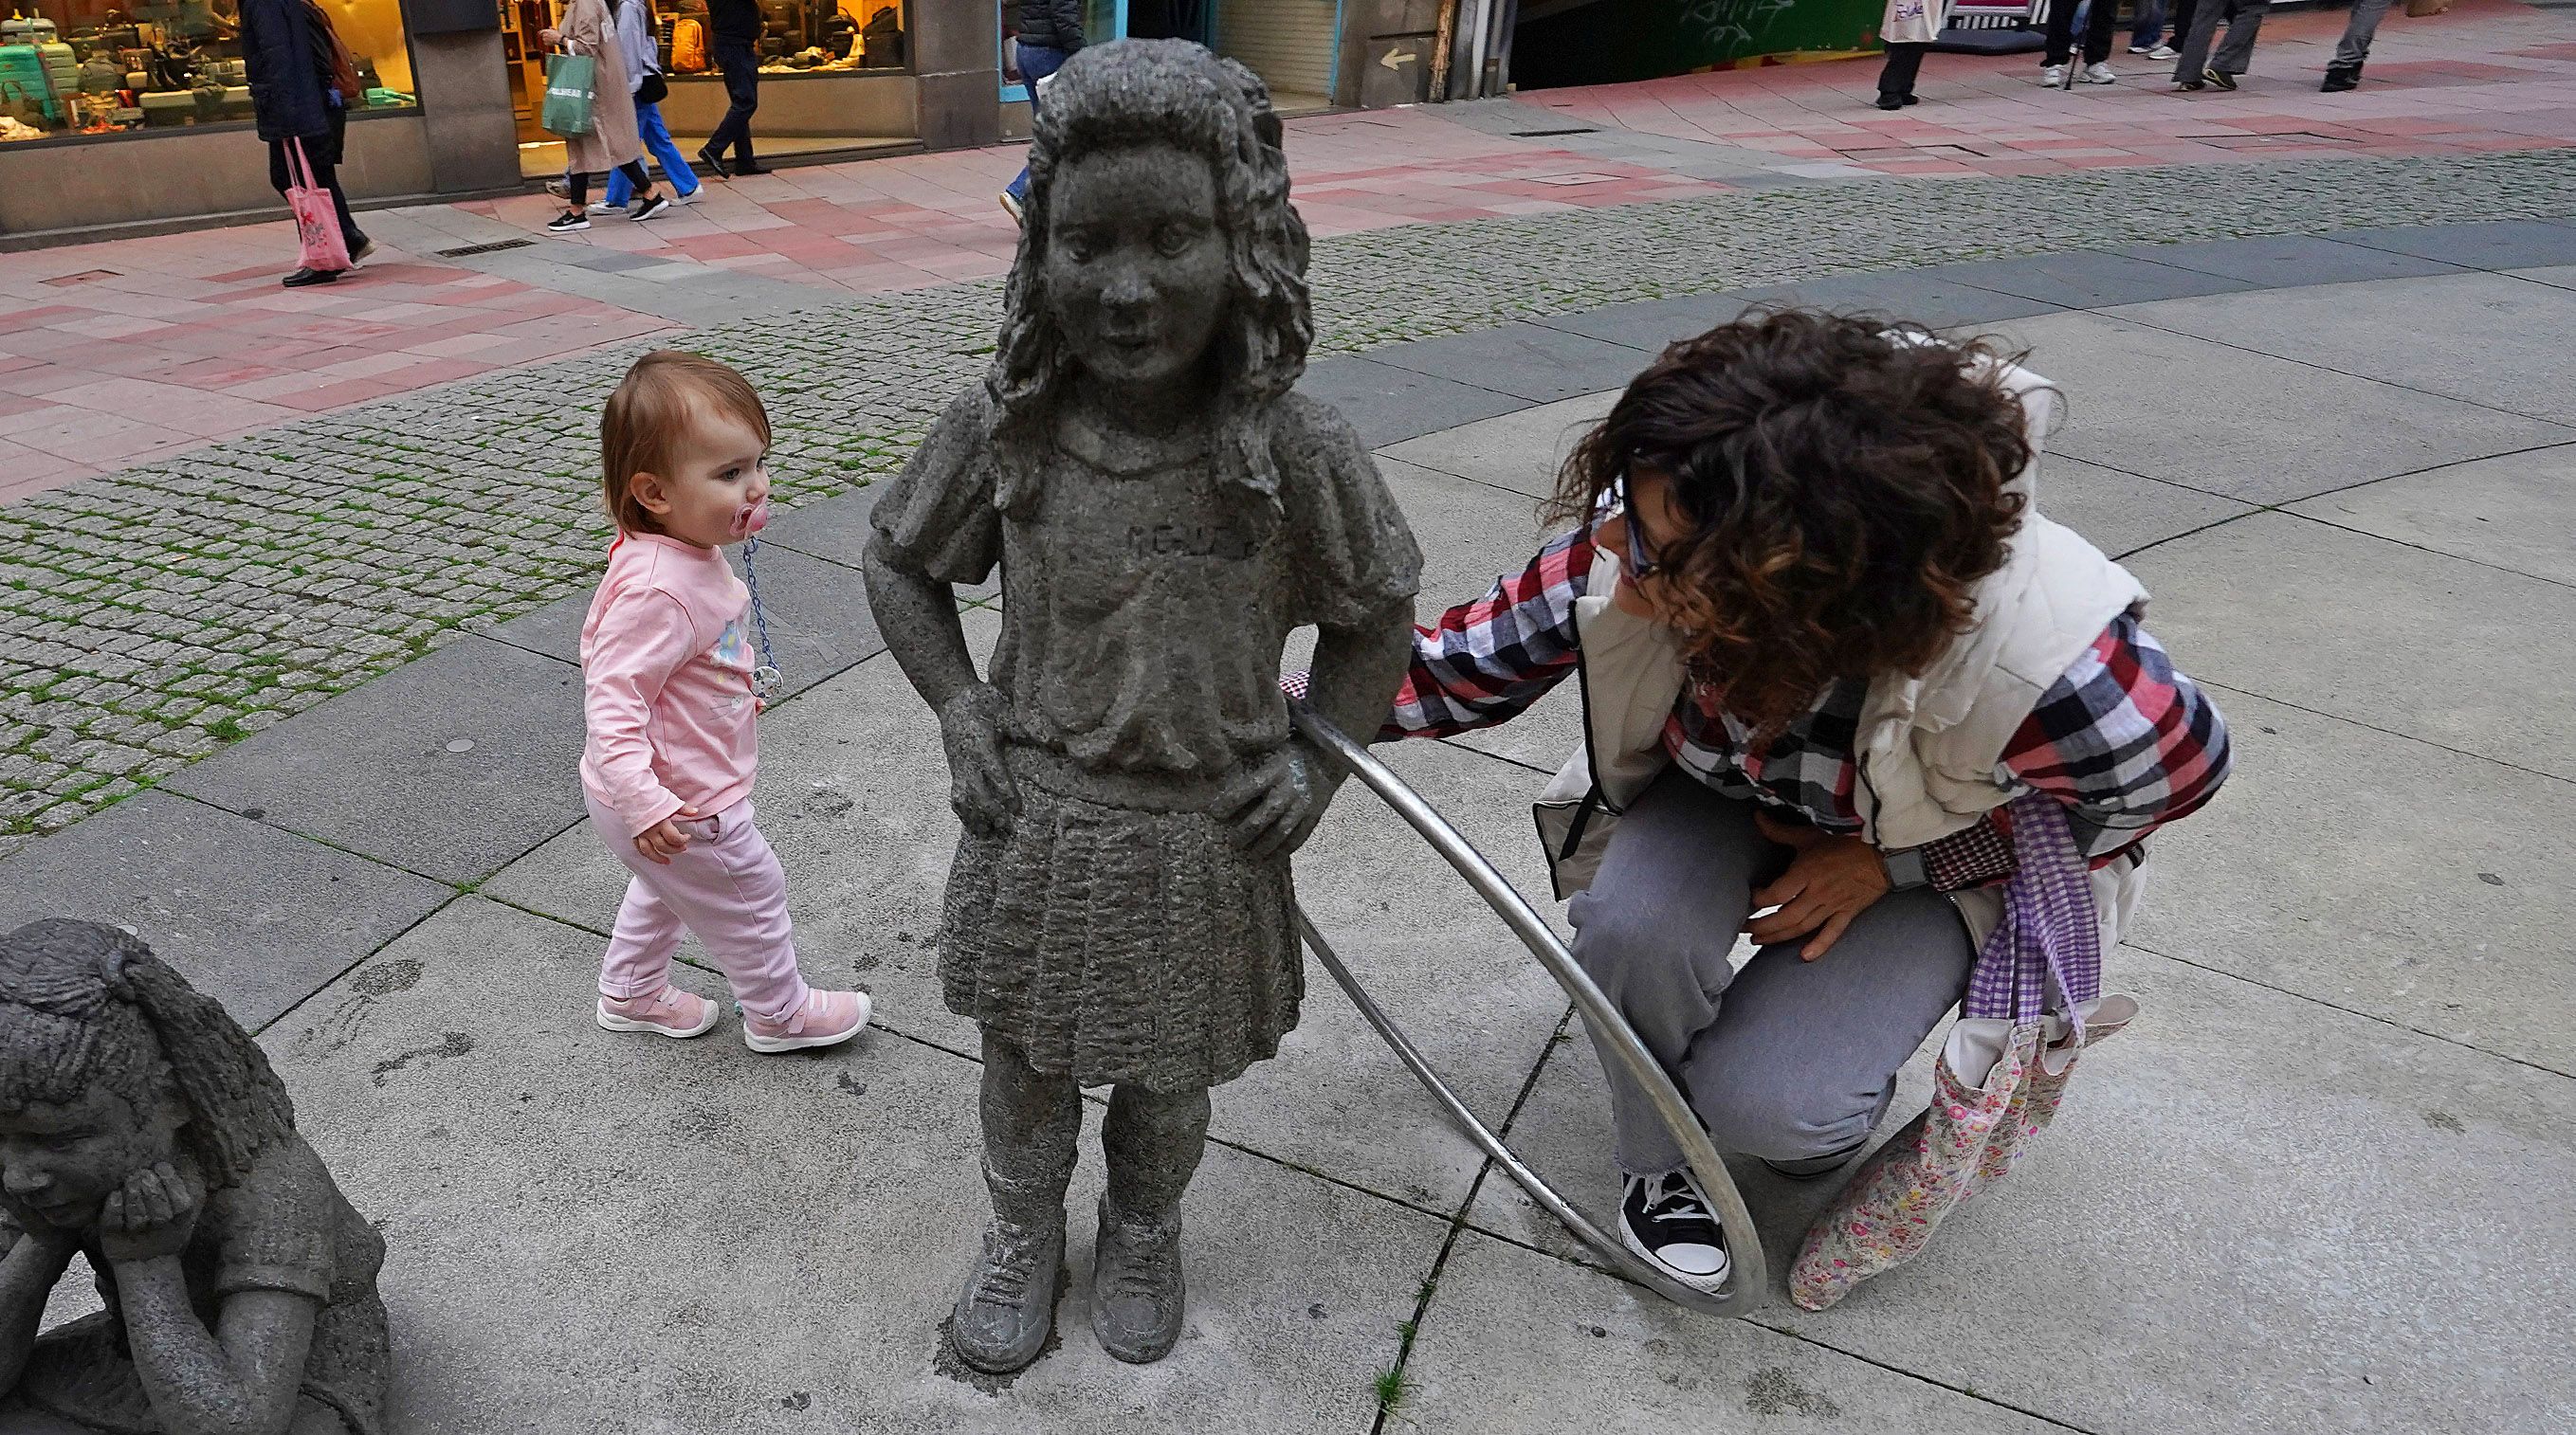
1398,59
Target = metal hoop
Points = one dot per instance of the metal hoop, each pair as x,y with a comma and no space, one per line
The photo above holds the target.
1748,1283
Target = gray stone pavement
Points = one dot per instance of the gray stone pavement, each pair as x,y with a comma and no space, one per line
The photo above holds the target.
155,616
2315,1188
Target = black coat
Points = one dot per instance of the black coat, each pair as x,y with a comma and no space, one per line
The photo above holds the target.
735,20
1056,24
280,45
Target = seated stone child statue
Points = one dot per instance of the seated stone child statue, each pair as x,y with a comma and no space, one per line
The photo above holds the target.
142,1128
1164,512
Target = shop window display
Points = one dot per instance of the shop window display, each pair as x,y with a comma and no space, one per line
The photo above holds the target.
88,67
798,38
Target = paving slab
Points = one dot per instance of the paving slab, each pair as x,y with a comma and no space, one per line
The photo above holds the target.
1908,294
2514,511
1521,451
2382,875
805,1219
2122,512
1386,404
2561,275
2490,244
253,916
837,530
819,620
1520,1341
2215,417
2485,338
2358,627
2288,259
1470,533
1653,324
451,766
2086,279
1529,361
2251,1213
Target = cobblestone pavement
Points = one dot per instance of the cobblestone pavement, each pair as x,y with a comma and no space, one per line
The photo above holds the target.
149,617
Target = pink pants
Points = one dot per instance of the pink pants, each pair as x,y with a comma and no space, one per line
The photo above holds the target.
728,888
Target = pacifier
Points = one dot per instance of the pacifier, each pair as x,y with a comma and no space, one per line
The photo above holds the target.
751,518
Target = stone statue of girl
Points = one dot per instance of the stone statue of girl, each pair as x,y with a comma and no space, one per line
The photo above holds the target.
1164,512
142,1128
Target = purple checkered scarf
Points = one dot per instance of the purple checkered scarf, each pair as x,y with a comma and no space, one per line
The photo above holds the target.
2050,926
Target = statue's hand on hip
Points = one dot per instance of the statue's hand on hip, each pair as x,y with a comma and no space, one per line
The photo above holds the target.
1274,805
980,786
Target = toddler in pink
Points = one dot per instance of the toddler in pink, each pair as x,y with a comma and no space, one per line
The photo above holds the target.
669,698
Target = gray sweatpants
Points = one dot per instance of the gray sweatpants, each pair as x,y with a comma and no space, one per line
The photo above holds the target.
2354,47
2244,21
1788,1058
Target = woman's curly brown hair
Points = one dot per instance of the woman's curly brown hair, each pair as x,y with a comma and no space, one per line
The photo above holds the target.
1845,486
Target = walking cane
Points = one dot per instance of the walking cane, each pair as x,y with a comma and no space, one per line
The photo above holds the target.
1748,1282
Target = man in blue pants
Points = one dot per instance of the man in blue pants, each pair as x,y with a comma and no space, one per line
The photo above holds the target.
1050,31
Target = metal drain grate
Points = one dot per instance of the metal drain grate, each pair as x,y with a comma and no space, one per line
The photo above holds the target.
473,249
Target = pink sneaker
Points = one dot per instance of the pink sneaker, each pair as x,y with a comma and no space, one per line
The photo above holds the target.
670,1011
826,1019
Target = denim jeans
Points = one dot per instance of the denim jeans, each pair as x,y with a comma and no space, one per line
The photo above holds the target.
741,65
657,143
2150,25
1036,63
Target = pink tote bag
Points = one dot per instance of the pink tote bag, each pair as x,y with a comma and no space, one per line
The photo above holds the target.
317,219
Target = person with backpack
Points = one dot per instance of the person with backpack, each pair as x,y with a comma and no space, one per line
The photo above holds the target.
302,83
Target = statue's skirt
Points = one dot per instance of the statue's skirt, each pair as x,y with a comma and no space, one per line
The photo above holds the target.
1114,933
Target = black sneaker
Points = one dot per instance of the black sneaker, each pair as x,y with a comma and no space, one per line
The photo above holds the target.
653,208
302,278
2220,78
714,163
1667,1220
567,222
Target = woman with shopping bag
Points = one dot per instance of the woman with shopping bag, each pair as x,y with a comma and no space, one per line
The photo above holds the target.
301,87
601,135
1848,693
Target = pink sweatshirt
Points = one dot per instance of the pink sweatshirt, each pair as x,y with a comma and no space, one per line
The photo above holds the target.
666,683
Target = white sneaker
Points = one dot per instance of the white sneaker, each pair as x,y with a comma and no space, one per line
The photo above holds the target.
689,198
1667,1220
2164,52
601,206
2052,77
2100,74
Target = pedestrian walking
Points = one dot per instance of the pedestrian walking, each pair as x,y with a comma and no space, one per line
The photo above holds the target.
1908,30
2147,31
2344,71
301,86
1774,722
737,28
2199,65
2101,18
1050,32
612,142
636,27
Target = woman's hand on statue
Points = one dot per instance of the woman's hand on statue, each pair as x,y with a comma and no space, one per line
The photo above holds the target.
979,786
1275,805
151,1216
1831,881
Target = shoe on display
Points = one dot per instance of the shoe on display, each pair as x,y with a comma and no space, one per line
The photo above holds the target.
1007,1308
567,223
651,207
1667,1220
2100,74
2052,77
301,278
2164,52
2220,78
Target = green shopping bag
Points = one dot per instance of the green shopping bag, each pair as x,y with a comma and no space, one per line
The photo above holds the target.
569,92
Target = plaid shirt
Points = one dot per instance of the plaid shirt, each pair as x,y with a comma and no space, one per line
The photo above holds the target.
2122,740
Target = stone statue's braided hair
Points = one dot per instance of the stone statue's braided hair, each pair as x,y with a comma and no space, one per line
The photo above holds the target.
1136,92
83,1005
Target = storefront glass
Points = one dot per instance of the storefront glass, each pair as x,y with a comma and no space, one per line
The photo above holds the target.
91,67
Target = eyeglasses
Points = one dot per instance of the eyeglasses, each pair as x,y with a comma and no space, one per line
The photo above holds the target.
1642,563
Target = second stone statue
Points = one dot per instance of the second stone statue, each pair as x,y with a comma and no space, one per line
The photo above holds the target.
1164,512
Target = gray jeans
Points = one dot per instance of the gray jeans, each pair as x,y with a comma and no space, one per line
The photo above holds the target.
2244,20
1786,1059
2354,47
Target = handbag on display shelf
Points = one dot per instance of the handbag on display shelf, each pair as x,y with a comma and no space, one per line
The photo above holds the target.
317,217
570,90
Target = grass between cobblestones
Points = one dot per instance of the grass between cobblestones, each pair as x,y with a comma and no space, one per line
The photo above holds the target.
151,617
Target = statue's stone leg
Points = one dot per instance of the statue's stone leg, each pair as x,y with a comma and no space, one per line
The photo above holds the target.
1007,1307
1153,1141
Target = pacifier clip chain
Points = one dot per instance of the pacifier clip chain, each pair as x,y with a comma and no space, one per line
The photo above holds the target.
765,679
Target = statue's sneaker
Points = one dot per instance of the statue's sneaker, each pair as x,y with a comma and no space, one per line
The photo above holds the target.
1136,1286
826,1019
668,1012
1007,1309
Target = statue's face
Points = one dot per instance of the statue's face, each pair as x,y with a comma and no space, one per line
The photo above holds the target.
1137,276
58,1162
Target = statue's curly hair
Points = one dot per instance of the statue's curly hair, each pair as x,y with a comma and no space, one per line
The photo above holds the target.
82,1005
1846,481
1138,92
